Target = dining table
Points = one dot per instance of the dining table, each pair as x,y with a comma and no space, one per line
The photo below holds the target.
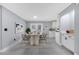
34,38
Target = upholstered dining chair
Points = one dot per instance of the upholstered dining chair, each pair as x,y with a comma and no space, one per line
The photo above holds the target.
25,37
43,36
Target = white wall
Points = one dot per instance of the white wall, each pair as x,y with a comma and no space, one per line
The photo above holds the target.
45,23
0,28
67,21
77,29
8,21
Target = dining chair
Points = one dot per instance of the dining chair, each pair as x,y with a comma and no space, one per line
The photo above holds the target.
43,37
25,37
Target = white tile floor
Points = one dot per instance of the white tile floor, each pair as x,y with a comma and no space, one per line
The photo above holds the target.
45,48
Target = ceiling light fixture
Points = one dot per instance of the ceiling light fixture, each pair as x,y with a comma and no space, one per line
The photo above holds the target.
34,17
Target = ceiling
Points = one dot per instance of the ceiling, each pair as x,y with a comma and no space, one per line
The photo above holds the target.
41,11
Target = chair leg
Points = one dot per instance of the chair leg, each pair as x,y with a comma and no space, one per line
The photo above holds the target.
31,41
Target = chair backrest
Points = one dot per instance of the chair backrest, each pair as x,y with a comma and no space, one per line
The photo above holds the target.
44,36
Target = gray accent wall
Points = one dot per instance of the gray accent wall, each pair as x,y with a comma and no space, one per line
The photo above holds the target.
9,21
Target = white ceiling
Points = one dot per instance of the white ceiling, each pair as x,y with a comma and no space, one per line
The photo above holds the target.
43,11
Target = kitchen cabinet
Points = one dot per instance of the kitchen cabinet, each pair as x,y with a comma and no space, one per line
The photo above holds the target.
68,42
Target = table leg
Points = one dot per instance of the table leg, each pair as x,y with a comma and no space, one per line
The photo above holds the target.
31,41
36,40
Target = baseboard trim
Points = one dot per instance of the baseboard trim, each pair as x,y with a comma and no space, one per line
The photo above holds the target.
8,47
68,49
75,53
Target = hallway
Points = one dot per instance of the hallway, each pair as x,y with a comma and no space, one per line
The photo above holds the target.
45,48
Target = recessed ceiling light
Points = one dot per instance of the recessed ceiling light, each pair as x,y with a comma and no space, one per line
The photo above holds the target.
34,17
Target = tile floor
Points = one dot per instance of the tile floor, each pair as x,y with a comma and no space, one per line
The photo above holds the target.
45,48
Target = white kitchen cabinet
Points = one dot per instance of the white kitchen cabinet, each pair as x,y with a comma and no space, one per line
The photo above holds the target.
67,23
57,38
68,42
